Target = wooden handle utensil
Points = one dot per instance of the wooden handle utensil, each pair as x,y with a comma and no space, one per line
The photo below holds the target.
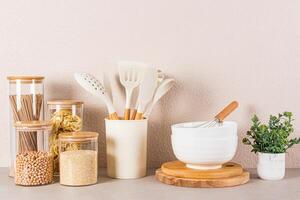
113,116
127,114
139,116
227,110
133,114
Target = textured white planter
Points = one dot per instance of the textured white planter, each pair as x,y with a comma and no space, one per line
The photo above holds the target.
271,166
126,148
204,148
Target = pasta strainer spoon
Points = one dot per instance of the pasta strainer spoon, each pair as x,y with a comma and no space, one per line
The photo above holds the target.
93,85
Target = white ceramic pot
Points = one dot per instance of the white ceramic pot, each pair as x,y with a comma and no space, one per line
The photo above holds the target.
204,148
271,166
126,148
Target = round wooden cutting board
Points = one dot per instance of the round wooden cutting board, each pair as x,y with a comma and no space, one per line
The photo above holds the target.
176,173
178,169
203,183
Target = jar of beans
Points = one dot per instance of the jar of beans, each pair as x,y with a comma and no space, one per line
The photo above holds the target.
26,100
33,167
78,155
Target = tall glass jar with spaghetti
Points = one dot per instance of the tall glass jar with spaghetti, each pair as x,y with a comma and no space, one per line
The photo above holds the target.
66,116
26,97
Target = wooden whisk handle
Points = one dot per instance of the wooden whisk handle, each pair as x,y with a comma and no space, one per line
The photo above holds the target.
227,110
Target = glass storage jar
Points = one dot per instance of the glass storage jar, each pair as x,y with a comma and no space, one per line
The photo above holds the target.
26,97
78,158
33,167
66,116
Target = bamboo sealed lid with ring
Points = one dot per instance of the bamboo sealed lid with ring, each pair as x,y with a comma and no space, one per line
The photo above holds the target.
65,102
25,79
32,125
81,135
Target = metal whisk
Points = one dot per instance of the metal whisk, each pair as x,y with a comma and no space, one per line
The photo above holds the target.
219,117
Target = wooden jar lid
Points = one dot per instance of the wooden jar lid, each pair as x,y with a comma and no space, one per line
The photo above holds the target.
65,102
26,79
29,125
80,135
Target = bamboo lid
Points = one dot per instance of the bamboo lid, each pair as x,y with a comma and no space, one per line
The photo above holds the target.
65,102
80,135
33,125
26,79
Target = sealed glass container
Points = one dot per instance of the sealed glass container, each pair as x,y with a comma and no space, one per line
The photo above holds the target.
66,116
33,167
78,158
26,97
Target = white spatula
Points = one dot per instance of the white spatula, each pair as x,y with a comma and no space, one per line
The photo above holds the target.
160,78
161,90
130,74
92,85
147,89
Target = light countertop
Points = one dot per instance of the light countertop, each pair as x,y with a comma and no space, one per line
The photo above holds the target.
149,188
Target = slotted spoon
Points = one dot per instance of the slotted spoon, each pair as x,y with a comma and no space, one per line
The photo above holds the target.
130,74
92,85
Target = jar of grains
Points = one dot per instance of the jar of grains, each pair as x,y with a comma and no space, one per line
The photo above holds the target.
26,97
33,167
66,116
78,155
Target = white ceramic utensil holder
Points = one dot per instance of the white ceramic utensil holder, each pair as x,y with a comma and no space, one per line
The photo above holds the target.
126,148
271,166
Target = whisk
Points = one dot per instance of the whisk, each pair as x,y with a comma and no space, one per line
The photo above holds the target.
219,117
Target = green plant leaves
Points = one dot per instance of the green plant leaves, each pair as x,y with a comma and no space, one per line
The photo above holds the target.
271,137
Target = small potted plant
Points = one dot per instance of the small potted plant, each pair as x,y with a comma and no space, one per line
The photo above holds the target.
271,142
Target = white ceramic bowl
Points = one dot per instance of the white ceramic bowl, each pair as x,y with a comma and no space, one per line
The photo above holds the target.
204,148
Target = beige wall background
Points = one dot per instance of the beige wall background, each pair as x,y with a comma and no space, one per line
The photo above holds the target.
216,50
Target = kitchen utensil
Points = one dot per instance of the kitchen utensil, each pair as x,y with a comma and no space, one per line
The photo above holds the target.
179,169
130,74
219,117
204,148
160,78
126,148
161,90
92,85
147,89
230,181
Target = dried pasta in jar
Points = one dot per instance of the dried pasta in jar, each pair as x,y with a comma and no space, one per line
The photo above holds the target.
65,116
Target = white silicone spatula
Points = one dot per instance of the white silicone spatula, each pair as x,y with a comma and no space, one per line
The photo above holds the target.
147,89
161,90
92,85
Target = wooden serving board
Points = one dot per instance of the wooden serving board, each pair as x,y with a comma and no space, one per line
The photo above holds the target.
203,183
178,169
176,173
